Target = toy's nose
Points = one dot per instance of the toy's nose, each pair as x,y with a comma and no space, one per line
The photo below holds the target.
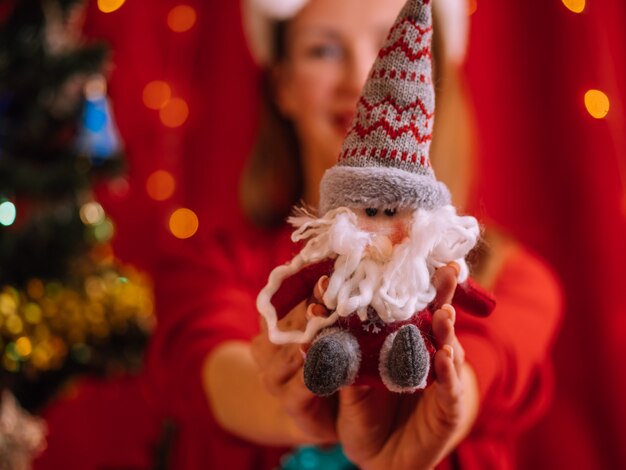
381,247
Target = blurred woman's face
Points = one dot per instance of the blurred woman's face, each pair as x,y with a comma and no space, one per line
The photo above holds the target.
330,48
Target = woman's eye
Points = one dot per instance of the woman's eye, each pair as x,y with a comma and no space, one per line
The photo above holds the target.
390,212
325,51
371,212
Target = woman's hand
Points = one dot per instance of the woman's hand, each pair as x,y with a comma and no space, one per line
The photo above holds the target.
383,430
281,373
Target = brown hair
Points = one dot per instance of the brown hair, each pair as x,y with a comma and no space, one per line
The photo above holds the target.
272,180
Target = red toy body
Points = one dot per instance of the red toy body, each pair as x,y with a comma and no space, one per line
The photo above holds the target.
372,333
371,336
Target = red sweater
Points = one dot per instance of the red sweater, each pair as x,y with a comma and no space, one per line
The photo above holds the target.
206,295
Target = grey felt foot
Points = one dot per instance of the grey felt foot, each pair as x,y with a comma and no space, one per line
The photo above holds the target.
331,362
408,361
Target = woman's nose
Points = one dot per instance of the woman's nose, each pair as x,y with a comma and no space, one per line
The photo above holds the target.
358,64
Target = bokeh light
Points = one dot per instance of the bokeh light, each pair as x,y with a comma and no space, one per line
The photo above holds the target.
597,103
14,324
577,6
183,223
8,305
23,346
104,231
181,18
156,94
91,213
174,113
35,289
160,185
7,213
108,6
472,6
32,313
119,188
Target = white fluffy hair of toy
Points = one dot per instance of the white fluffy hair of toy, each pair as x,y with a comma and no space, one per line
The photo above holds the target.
396,285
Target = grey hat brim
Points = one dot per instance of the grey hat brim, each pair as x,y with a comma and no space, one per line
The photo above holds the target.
361,187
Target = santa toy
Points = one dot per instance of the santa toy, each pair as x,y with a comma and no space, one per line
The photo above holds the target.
385,225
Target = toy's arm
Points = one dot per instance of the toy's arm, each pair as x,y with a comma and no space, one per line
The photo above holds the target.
468,296
471,298
299,287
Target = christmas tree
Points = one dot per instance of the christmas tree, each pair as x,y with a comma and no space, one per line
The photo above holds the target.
66,306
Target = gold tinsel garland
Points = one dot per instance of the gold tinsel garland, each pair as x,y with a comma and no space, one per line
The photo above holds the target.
44,322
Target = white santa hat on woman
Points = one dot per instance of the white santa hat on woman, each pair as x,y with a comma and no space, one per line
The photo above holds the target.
259,17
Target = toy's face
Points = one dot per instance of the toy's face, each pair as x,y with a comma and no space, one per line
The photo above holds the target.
389,227
391,222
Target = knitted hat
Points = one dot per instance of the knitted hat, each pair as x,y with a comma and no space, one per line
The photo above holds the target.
384,160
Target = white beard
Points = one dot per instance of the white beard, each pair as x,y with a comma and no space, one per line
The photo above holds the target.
396,281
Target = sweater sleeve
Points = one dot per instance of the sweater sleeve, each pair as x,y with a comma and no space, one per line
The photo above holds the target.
204,298
510,350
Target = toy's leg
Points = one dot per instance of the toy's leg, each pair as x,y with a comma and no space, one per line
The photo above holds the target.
331,362
404,360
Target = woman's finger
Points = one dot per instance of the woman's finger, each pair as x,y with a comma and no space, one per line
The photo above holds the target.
444,280
444,333
449,386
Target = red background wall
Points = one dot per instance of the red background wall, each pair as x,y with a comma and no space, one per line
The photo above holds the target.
550,174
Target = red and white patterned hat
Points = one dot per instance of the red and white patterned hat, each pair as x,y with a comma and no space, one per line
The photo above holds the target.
384,161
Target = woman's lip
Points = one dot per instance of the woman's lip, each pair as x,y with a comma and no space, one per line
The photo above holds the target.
343,121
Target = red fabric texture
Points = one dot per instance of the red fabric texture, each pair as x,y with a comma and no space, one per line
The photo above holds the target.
102,424
550,174
208,297
555,177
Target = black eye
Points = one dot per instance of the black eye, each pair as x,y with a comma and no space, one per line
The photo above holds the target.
390,212
371,212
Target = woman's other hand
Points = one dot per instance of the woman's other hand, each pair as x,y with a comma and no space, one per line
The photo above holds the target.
281,373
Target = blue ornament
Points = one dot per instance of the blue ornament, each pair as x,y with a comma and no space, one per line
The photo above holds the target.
98,137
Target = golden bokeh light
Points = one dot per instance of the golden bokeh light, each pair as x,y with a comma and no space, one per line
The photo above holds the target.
472,6
91,213
156,94
174,113
597,103
32,313
181,18
23,346
160,185
35,288
576,6
109,6
183,223
14,324
8,305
